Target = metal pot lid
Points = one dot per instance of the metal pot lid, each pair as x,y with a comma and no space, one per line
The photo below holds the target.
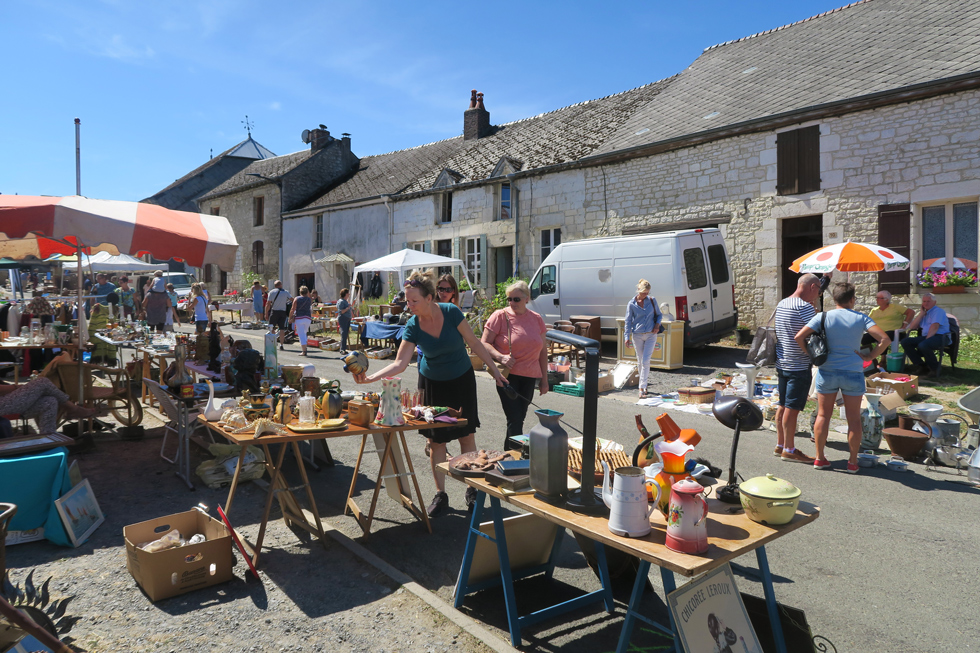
769,487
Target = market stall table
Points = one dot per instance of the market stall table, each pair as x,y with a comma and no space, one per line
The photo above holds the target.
13,343
161,356
243,308
729,536
292,513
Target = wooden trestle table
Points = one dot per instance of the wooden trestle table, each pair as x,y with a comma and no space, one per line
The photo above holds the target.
292,513
730,535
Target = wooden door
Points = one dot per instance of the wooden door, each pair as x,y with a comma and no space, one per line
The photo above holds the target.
800,235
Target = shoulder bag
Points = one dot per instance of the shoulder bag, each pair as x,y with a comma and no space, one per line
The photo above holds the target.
762,352
816,343
504,370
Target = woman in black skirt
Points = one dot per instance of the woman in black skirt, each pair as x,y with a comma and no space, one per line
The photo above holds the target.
446,374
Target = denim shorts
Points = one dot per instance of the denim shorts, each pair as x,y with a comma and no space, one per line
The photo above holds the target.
851,384
794,388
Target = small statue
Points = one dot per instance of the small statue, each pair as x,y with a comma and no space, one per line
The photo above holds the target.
214,348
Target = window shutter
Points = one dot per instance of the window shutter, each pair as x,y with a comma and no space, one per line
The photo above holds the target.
458,252
786,162
808,171
427,247
484,282
894,232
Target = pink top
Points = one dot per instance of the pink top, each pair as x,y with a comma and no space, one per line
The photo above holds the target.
525,339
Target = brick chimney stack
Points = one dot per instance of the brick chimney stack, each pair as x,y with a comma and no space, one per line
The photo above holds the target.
476,119
320,138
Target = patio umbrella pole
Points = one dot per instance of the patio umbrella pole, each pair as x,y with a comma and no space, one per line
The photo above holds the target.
81,316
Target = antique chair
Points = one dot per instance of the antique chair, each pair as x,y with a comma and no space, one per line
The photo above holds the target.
117,397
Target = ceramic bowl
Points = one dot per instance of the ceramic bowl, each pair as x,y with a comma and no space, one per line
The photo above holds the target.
769,500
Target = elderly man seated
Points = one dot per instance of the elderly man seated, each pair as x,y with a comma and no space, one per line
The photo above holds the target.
934,333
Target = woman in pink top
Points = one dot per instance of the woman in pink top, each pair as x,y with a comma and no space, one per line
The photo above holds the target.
515,338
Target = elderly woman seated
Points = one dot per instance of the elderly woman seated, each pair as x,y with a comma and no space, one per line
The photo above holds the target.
41,401
890,317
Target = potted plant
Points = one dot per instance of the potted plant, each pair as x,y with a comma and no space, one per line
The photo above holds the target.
943,281
743,335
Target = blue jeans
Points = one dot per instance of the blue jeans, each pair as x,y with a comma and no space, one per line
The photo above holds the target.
850,384
794,388
918,348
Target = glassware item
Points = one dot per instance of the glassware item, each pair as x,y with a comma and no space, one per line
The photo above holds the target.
25,333
306,409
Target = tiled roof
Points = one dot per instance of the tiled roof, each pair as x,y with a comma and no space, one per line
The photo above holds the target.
563,135
247,149
272,168
857,50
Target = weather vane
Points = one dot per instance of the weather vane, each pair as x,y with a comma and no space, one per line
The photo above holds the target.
248,125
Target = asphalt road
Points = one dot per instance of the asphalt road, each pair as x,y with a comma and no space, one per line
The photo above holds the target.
888,566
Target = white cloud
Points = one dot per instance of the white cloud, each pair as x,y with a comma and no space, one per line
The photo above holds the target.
117,48
275,106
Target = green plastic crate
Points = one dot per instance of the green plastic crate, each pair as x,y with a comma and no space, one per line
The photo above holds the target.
574,391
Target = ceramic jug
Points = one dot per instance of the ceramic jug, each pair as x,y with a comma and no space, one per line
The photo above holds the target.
390,411
687,527
212,411
629,509
872,423
672,454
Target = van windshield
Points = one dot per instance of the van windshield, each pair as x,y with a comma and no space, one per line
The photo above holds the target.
179,280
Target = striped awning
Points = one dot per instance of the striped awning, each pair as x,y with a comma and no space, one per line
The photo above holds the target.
335,258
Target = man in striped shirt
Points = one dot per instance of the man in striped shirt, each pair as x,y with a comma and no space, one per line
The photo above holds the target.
793,366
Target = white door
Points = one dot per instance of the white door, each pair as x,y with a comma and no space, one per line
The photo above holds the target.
696,285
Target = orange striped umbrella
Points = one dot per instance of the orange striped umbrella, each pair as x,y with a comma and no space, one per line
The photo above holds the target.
850,257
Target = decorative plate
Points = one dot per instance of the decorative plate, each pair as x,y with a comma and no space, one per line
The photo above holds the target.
470,456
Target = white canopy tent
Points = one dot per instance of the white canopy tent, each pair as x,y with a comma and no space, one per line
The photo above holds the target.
407,260
106,262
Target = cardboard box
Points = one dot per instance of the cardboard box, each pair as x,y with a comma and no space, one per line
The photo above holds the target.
175,571
889,404
606,382
881,382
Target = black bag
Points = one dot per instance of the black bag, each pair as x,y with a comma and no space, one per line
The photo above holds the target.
762,352
816,344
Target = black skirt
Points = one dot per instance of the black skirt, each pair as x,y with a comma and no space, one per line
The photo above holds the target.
459,393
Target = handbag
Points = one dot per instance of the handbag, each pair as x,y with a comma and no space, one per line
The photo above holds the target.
762,352
816,344
504,370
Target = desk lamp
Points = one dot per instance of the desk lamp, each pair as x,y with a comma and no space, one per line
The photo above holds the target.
735,413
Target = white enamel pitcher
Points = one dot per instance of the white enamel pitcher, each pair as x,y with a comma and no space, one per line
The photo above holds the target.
629,508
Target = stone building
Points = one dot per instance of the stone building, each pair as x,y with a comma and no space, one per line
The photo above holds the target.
254,199
813,133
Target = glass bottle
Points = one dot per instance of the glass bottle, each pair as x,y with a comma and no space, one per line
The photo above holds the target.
306,409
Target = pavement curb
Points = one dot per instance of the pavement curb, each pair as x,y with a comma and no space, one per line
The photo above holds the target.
471,626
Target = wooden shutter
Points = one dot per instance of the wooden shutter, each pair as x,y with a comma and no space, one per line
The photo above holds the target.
787,148
808,163
484,282
427,247
894,232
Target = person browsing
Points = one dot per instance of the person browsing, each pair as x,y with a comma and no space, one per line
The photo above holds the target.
277,310
443,333
643,319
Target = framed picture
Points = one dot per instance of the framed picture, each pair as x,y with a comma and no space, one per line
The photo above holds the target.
28,443
79,512
710,616
74,473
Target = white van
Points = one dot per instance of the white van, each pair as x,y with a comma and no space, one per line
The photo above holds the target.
687,269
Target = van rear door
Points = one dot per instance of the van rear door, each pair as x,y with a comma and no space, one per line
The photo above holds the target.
544,292
720,282
694,272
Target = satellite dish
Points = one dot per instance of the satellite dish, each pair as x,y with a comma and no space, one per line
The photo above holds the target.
305,136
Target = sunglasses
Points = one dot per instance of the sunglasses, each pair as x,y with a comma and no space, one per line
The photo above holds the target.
515,300
443,289
413,283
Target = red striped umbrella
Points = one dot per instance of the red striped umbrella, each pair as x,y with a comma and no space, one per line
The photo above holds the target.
43,226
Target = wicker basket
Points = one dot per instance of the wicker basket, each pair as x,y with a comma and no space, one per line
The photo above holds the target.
697,395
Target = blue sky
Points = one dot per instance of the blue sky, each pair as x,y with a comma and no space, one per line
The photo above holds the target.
160,85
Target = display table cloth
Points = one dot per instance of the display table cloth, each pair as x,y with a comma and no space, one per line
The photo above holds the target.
33,482
381,331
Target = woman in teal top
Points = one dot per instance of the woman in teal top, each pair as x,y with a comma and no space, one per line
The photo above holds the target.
445,373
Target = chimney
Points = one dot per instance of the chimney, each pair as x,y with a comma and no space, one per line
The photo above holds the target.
320,138
345,142
476,119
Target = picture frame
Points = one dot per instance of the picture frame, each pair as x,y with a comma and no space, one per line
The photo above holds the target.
709,614
30,443
79,512
74,473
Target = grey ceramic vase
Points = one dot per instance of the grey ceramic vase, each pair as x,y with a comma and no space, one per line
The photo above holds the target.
549,455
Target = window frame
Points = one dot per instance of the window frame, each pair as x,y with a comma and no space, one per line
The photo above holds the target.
258,211
258,259
446,208
318,232
474,264
505,207
949,224
552,232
